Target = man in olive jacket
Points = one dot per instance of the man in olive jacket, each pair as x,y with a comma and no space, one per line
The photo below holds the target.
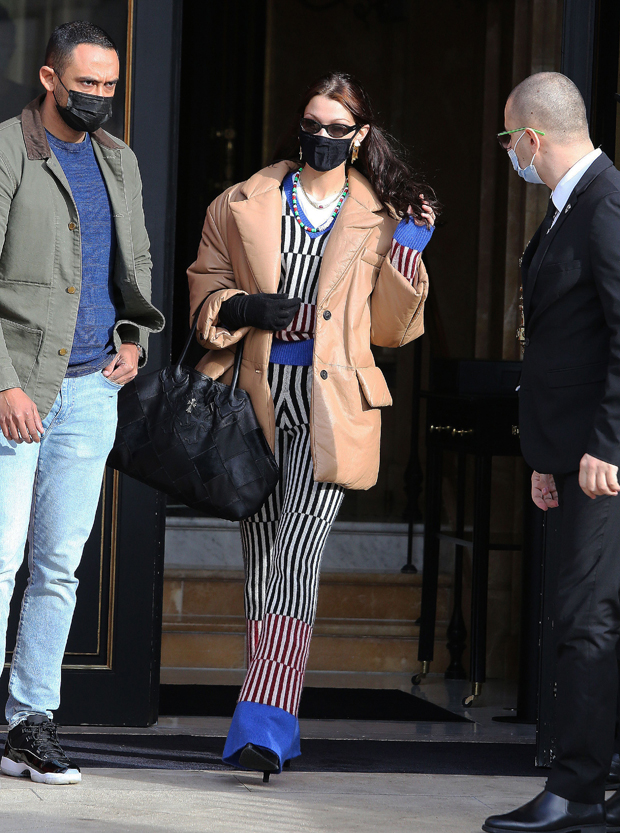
75,316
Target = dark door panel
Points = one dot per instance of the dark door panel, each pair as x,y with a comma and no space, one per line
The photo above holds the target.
111,665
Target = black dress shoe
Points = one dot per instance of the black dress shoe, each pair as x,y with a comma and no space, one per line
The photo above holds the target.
613,779
612,808
548,813
260,759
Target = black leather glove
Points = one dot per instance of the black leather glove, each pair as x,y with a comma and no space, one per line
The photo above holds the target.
264,311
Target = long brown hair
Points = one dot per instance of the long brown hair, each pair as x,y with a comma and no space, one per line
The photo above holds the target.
380,159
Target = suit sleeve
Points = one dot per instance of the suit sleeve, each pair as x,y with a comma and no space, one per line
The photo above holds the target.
211,276
604,442
8,186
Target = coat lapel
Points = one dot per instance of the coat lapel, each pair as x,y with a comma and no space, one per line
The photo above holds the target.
259,221
600,164
538,254
111,166
352,228
258,216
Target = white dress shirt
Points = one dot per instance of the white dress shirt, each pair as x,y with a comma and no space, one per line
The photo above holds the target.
565,186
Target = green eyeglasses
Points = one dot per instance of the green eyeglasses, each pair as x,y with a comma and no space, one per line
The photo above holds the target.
504,137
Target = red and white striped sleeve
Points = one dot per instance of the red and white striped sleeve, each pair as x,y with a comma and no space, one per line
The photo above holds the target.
302,326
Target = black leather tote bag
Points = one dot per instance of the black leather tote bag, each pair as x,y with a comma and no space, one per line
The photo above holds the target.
195,439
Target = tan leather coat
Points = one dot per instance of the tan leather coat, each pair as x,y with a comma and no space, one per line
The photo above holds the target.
361,300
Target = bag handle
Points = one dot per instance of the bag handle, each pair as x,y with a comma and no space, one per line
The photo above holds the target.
190,338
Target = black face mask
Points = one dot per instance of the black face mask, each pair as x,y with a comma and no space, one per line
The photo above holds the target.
84,112
323,153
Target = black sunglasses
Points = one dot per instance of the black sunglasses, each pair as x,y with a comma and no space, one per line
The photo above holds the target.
336,131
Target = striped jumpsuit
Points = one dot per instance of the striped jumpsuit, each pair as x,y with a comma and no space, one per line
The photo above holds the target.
283,543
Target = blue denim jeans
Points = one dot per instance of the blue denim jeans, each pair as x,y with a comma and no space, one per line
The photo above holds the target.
49,494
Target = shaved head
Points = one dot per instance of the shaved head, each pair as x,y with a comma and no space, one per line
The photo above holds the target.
551,102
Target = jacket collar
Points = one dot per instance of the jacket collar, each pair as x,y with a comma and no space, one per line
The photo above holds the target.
572,178
258,216
35,139
600,164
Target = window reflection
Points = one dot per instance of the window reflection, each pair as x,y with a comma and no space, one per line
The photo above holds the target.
25,27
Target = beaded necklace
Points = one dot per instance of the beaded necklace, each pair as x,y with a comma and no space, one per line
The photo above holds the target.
321,204
332,217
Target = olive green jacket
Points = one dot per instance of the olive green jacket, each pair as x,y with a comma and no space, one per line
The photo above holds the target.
41,261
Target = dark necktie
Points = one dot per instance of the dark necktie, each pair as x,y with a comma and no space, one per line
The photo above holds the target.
546,223
544,229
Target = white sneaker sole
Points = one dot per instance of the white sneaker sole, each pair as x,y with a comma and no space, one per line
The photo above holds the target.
9,767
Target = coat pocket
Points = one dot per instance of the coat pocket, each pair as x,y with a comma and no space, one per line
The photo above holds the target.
374,258
374,387
23,345
559,267
584,375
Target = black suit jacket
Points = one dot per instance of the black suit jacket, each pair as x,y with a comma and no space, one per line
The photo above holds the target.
569,400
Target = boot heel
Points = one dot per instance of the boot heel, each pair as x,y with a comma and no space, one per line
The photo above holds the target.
287,764
259,759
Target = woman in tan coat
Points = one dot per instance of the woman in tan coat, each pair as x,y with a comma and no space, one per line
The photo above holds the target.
311,261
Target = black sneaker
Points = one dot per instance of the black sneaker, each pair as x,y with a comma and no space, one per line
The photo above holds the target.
32,747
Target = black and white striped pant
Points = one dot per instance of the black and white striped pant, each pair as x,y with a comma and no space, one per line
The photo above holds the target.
282,547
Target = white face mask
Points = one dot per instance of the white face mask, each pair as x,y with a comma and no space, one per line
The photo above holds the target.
529,174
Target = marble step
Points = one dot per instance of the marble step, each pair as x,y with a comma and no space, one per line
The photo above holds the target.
355,648
323,627
365,622
195,593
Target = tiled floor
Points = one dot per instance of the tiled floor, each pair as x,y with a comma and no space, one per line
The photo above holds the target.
161,801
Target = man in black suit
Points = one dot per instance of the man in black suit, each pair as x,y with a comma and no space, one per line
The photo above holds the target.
569,405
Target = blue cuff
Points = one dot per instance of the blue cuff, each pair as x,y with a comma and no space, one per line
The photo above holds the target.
413,236
262,725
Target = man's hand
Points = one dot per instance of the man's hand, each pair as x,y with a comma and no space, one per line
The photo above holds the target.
544,492
19,417
597,477
124,366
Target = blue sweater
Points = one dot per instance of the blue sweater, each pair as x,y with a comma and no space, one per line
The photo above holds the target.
92,342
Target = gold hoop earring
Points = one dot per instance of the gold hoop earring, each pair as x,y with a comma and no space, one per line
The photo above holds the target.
355,151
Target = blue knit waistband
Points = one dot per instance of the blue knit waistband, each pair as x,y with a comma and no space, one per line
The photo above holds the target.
299,353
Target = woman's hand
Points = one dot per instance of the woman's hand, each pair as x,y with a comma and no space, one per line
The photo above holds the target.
427,213
265,311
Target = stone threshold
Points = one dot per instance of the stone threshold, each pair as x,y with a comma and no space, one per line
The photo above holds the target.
213,623
338,528
348,578
212,543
